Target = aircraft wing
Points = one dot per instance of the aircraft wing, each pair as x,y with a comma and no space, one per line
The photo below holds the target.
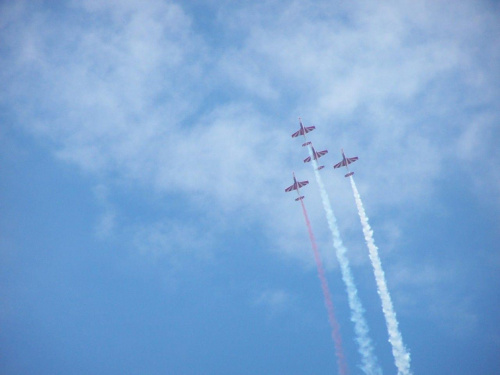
321,153
307,160
303,130
340,164
303,183
296,185
352,160
345,162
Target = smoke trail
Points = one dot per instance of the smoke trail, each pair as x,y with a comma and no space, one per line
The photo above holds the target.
369,363
401,355
328,300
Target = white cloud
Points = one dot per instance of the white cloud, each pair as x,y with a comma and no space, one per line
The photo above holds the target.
128,89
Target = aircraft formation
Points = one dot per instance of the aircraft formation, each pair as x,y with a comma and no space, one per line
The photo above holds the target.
315,156
369,362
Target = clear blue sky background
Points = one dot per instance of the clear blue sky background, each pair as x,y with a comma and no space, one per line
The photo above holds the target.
145,148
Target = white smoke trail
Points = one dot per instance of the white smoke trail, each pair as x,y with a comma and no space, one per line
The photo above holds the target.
369,363
401,355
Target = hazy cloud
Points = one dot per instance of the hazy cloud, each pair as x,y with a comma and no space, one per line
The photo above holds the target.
130,90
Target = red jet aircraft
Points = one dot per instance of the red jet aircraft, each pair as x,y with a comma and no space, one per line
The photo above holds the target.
302,131
296,185
345,162
316,156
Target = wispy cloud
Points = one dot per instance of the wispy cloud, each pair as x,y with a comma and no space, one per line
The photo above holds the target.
447,306
175,241
276,300
129,89
107,221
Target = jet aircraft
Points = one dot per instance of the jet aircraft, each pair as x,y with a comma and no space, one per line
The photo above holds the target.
316,156
302,131
345,162
296,185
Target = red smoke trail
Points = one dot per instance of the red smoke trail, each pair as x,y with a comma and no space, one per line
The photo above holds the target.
337,340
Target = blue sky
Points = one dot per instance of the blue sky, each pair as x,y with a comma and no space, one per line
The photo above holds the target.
145,148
